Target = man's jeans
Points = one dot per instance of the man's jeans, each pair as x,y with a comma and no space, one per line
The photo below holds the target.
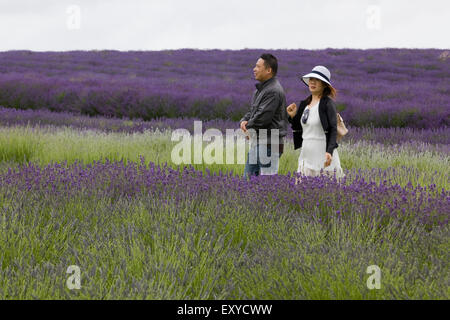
262,162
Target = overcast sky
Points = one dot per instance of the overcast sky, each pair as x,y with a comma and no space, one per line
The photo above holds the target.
59,25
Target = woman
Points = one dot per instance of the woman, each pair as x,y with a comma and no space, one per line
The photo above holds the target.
314,124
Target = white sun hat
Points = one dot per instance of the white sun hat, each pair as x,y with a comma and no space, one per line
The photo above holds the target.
318,72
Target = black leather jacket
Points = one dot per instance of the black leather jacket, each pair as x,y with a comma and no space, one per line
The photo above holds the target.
327,114
268,108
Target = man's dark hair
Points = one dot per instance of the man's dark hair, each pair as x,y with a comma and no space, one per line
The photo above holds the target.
270,61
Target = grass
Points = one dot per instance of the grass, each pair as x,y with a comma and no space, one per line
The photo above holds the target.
144,249
150,248
420,164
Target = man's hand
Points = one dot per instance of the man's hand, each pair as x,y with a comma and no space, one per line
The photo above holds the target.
328,159
292,110
244,126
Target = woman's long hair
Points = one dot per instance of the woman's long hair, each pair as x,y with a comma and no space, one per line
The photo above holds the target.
329,91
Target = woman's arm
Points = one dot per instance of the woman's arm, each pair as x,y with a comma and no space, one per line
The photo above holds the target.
291,111
295,120
332,126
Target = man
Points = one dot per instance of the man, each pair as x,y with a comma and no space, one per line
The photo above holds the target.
267,115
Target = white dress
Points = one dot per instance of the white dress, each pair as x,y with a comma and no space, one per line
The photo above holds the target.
312,155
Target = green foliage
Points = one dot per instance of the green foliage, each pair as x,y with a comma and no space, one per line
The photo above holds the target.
150,248
341,107
19,144
410,162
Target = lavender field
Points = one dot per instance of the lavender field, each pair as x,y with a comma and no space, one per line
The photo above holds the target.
382,88
87,179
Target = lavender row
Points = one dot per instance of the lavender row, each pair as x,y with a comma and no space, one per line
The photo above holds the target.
325,197
13,117
382,87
